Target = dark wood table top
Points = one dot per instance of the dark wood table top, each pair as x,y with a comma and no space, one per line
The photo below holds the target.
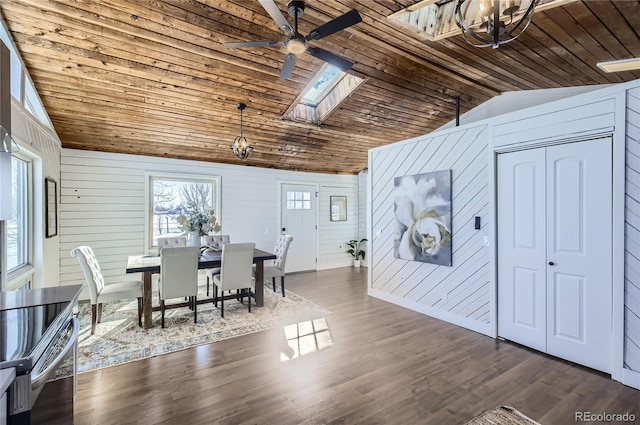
208,259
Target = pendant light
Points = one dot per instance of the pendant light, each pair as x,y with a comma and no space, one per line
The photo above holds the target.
499,24
240,147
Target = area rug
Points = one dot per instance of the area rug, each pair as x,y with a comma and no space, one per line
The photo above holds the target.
118,338
503,415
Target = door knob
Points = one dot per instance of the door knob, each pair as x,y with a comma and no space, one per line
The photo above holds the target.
551,263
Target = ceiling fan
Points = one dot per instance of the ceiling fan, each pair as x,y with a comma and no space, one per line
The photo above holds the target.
296,43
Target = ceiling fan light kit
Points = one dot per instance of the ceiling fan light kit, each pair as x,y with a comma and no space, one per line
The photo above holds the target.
499,21
296,44
240,147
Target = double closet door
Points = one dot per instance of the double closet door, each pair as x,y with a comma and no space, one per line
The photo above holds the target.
555,248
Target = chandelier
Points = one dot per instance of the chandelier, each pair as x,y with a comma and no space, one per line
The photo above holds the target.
498,23
240,147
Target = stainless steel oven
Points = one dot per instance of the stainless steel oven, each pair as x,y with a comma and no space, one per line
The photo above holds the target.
37,340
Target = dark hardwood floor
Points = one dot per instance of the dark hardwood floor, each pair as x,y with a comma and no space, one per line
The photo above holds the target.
383,364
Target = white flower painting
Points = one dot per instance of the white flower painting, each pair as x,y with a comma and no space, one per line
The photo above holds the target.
422,207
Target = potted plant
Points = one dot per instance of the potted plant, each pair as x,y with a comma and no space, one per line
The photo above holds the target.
356,251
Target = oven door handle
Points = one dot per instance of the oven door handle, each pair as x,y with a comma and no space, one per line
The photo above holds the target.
41,378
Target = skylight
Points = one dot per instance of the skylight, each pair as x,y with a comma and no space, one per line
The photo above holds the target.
325,81
326,91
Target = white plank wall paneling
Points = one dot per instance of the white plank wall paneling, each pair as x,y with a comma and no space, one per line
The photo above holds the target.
466,284
363,221
418,285
103,205
572,121
632,233
42,143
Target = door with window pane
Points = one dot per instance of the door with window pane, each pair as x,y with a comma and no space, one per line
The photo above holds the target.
299,220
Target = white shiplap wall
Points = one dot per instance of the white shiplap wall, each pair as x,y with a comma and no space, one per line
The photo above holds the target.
362,211
421,286
334,234
613,111
43,147
103,205
632,233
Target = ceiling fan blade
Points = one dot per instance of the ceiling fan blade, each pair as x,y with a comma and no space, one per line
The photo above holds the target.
330,58
350,18
287,66
276,15
265,43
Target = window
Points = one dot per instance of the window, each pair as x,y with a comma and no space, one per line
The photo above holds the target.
173,196
298,200
19,238
318,89
33,104
16,64
326,91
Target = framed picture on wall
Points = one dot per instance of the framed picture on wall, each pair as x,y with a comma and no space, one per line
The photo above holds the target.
338,208
50,207
422,210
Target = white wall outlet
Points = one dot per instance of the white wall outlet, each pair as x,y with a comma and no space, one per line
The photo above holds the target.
445,297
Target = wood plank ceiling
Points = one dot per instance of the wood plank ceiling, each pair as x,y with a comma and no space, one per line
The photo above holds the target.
151,77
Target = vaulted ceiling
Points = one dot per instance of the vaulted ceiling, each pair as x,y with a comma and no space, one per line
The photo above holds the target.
152,77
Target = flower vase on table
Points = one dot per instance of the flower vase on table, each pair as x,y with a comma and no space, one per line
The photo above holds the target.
194,239
198,224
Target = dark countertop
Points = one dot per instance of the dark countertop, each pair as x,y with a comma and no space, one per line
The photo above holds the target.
6,378
30,297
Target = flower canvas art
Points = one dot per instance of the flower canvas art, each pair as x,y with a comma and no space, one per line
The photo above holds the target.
422,209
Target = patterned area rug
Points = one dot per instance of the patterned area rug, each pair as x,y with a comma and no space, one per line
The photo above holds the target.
118,338
503,415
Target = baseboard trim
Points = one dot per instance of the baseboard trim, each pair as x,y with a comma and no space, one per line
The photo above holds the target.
631,378
465,322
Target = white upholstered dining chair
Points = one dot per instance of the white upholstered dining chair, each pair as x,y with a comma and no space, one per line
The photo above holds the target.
236,273
179,277
277,267
99,292
171,242
215,242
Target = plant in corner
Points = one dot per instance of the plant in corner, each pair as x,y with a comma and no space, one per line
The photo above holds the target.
356,251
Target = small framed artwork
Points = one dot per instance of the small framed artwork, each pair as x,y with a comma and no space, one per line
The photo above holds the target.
338,206
51,207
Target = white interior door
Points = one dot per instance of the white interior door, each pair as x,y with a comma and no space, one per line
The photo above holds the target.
299,220
522,248
554,252
579,285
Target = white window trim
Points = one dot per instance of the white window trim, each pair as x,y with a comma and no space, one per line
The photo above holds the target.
16,277
148,206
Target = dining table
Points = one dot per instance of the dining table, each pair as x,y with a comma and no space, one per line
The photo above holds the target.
150,263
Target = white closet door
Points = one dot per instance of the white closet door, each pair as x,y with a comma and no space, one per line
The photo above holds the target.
554,250
579,219
521,248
